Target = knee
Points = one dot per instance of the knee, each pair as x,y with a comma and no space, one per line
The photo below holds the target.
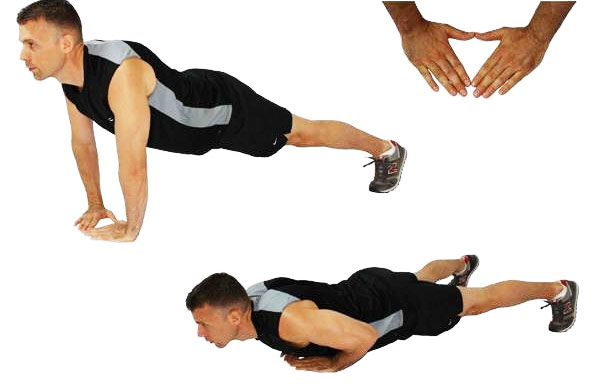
304,133
425,274
483,302
474,310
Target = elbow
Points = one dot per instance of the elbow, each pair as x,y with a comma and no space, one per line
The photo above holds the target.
371,337
365,338
79,146
137,172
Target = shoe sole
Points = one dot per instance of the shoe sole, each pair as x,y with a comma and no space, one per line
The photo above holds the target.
473,270
575,295
470,273
399,175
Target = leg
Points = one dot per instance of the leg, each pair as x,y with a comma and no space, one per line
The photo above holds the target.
334,134
505,294
437,270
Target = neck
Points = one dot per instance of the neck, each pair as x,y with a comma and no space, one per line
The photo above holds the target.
72,71
246,329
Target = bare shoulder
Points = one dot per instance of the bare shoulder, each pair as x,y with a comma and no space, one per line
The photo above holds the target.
133,73
299,307
294,320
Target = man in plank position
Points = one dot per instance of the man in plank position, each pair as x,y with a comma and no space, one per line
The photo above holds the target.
129,91
322,327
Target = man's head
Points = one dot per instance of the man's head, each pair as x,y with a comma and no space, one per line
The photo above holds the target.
219,305
49,31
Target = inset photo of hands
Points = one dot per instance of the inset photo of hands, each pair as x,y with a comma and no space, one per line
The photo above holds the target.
520,51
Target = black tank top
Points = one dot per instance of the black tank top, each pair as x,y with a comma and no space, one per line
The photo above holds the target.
188,109
362,297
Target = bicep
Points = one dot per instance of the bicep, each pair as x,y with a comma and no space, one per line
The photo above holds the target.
128,100
82,131
336,330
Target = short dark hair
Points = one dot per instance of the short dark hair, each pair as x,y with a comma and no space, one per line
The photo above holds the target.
57,12
220,290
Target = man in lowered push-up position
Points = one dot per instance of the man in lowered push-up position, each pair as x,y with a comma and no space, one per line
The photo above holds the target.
322,327
130,92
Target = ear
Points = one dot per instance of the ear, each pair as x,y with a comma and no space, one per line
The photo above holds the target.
67,42
235,316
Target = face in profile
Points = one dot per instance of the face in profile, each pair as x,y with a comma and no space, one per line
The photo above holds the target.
217,325
43,48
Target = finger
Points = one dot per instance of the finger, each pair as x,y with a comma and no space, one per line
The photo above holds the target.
487,66
90,232
458,67
511,82
85,223
93,221
304,365
491,35
455,33
499,81
99,231
111,216
428,78
441,76
102,238
78,221
490,77
311,367
306,368
100,234
452,76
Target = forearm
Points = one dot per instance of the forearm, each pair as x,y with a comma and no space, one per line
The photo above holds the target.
86,157
360,340
548,18
405,14
134,183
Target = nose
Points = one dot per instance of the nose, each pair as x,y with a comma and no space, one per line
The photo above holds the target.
201,332
24,56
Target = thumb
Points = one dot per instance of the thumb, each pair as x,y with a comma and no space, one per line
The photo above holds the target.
491,35
455,33
111,216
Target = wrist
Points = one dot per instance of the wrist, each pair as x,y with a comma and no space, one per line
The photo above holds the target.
335,364
132,231
95,204
415,27
540,35
406,16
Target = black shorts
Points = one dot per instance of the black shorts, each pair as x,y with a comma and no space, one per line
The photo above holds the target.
258,126
430,309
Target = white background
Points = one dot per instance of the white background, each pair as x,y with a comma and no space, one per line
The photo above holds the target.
513,179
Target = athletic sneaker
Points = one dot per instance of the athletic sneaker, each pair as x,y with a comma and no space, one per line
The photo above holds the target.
463,279
388,170
564,309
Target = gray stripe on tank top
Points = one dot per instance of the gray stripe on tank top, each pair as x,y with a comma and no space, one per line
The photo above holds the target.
273,301
389,323
257,289
162,98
